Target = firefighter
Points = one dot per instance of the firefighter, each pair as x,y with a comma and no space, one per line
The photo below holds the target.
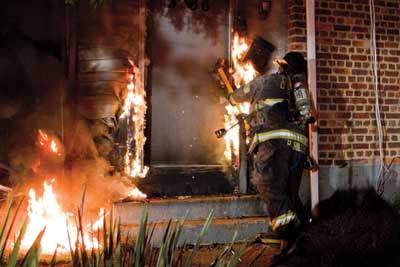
279,139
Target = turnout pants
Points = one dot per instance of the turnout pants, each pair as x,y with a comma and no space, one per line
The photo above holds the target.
277,176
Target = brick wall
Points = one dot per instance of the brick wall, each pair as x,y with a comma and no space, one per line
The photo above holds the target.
346,98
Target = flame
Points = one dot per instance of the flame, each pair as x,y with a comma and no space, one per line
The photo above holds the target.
45,212
243,72
53,146
49,144
134,110
136,194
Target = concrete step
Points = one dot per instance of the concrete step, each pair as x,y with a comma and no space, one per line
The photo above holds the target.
198,208
245,214
220,231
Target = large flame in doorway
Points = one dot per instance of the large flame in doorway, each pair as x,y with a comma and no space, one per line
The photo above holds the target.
242,73
134,111
45,212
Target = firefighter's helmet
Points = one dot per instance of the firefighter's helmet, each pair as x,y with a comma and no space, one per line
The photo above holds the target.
293,62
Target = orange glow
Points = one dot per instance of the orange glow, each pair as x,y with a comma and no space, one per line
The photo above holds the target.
242,73
134,110
44,211
48,143
53,146
136,194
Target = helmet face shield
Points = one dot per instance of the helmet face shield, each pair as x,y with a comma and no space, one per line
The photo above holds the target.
281,65
280,62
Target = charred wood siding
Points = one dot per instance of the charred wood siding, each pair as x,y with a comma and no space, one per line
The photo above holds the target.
107,37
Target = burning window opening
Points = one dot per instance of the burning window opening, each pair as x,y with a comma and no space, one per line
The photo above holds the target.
134,111
242,73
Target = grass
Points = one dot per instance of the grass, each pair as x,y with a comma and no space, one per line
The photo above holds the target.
115,251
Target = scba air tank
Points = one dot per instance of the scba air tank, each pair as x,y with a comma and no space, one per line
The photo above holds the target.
301,95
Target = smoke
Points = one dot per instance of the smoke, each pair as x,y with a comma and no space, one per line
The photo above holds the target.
36,79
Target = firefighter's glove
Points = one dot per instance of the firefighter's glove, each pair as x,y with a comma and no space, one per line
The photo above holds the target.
310,164
309,120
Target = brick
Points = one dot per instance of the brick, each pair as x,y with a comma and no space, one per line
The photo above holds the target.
391,73
358,43
359,72
322,11
359,131
393,18
394,4
393,130
361,115
392,116
340,100
342,42
299,39
340,14
391,101
342,85
393,145
340,56
323,85
393,31
391,59
344,115
358,86
296,31
324,55
359,100
332,139
359,57
342,146
391,45
325,146
338,27
325,131
324,70
358,15
360,108
299,24
359,29
360,138
360,146
341,70
322,123
323,78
